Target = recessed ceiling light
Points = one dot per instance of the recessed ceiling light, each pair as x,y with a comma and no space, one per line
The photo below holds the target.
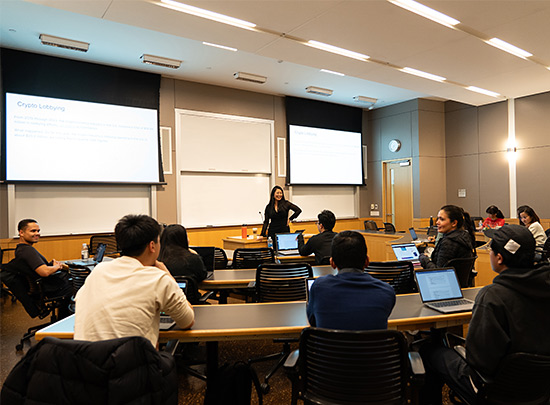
426,12
319,90
332,72
506,47
337,50
482,91
227,48
425,75
161,61
64,43
210,15
250,77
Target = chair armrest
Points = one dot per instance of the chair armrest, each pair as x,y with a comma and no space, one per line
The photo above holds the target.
417,366
205,297
461,351
291,360
451,340
171,346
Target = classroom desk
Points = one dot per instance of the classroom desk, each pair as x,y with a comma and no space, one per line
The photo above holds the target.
215,323
236,242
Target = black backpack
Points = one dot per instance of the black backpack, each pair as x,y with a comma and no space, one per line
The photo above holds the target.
232,385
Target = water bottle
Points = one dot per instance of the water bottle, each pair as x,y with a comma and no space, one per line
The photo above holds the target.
84,252
269,242
431,221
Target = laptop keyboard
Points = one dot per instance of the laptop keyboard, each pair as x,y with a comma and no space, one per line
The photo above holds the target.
452,303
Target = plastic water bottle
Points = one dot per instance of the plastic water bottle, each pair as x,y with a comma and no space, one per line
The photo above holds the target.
269,242
84,252
431,221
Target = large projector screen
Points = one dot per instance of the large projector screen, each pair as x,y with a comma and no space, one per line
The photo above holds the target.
324,156
58,140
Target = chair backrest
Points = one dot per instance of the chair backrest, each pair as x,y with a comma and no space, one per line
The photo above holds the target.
370,225
400,275
546,251
220,258
357,367
251,258
464,267
389,228
78,277
521,378
324,260
282,282
109,240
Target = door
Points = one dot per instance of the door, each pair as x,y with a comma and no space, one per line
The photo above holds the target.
398,203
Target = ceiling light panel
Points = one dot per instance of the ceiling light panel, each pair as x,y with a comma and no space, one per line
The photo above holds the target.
426,12
332,72
339,51
482,91
250,77
161,61
319,90
227,48
505,46
425,75
64,43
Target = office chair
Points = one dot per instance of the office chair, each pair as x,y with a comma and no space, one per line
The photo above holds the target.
116,371
371,225
30,293
400,275
251,258
78,277
220,259
107,239
280,283
389,227
353,367
192,292
464,269
5,289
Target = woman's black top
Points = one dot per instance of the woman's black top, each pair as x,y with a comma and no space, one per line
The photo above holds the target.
277,221
181,262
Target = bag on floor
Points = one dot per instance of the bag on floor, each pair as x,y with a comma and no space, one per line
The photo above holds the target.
232,385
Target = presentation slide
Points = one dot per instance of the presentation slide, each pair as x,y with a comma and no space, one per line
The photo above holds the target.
324,156
56,140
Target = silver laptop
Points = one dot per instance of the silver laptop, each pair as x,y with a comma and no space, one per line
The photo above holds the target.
287,244
407,252
166,322
414,237
439,289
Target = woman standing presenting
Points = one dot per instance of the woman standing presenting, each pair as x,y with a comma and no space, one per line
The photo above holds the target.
276,219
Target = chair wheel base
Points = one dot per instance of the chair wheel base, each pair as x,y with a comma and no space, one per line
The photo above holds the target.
19,347
265,388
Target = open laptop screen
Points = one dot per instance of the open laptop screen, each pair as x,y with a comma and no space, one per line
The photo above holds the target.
406,251
207,255
438,284
287,241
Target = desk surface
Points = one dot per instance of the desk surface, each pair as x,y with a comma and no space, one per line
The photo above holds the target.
268,320
240,278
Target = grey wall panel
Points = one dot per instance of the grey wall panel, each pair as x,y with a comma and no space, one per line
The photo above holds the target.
533,166
432,134
432,187
463,173
461,132
494,183
533,121
396,127
493,127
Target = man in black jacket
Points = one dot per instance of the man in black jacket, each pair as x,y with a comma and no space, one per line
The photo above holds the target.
321,243
511,315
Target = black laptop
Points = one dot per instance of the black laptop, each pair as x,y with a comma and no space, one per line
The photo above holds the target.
207,254
98,258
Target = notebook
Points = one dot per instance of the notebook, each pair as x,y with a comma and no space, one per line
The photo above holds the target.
207,255
414,237
98,258
439,289
286,244
407,252
166,322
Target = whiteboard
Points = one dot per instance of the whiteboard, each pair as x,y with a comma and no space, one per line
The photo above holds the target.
314,199
222,199
223,143
76,209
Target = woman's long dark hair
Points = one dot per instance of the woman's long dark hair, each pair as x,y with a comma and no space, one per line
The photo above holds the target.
529,211
493,210
173,239
454,213
282,203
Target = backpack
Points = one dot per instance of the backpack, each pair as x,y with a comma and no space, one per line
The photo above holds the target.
232,385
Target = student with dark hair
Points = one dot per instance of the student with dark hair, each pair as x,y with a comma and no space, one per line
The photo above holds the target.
495,218
510,315
276,216
529,218
351,299
321,243
180,260
29,262
456,242
124,297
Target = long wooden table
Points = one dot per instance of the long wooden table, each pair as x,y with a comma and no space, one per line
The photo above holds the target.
215,323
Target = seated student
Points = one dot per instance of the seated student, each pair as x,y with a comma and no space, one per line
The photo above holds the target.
33,264
124,297
494,220
529,218
180,260
351,299
321,243
510,315
456,242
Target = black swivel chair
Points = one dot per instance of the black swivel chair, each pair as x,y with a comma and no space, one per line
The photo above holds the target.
464,269
109,240
400,275
220,259
5,289
353,367
389,227
280,283
251,258
371,225
29,292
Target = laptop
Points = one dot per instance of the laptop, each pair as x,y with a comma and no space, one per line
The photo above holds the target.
166,322
98,258
286,244
439,290
207,255
309,283
407,252
414,237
